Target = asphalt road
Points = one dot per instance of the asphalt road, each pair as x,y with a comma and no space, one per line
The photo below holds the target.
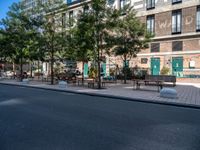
33,119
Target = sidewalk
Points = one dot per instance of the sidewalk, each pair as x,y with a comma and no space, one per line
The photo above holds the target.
187,93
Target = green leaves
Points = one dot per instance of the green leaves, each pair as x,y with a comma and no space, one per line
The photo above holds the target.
129,34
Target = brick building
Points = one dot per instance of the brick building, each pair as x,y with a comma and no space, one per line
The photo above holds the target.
176,45
176,26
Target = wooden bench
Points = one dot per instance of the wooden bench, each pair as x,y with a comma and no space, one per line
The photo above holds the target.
80,81
91,83
110,80
167,79
71,80
137,83
155,80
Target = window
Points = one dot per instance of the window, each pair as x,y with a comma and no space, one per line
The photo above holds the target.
150,4
155,47
63,20
70,2
85,9
150,23
144,60
71,18
177,46
122,3
176,22
176,1
198,19
110,2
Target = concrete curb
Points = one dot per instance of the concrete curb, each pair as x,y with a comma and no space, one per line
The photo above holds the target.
109,96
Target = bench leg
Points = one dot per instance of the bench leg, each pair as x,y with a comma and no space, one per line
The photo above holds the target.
90,85
103,84
137,86
160,88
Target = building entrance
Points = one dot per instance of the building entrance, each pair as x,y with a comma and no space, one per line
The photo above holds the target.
177,66
155,66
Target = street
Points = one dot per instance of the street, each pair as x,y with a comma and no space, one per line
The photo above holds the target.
35,119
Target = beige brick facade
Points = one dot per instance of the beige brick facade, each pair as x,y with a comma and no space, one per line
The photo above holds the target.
191,45
189,20
163,24
190,51
163,34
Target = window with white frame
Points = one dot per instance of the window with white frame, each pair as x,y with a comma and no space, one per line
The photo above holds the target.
71,18
85,9
176,21
151,23
150,4
63,20
122,3
198,19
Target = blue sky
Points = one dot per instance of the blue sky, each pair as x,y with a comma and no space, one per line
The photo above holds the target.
4,4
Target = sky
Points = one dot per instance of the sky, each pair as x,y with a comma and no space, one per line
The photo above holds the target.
4,4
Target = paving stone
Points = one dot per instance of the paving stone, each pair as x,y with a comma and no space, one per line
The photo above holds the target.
187,93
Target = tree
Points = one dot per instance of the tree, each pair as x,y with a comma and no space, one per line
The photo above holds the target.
4,47
19,29
99,12
95,24
49,16
128,37
81,39
36,50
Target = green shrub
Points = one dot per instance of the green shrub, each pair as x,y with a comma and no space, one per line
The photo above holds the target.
112,72
92,72
128,72
165,71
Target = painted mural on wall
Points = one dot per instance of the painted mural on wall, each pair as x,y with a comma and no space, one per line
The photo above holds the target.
163,22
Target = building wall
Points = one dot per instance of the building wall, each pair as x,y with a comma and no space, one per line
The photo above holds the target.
163,24
189,19
163,34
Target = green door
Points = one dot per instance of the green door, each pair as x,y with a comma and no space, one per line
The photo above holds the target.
177,66
85,70
155,66
104,69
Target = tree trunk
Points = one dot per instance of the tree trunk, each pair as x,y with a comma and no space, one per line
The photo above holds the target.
125,75
31,69
99,49
38,69
14,73
52,59
21,69
83,63
99,70
125,72
52,72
